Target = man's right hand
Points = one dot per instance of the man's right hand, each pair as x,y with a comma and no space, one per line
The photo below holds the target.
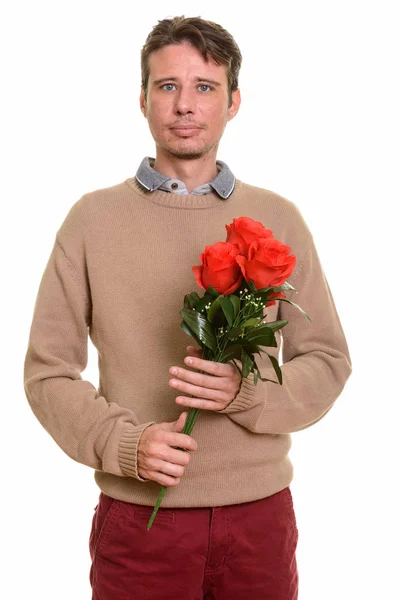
157,455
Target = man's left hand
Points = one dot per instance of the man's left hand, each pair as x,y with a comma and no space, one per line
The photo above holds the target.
211,392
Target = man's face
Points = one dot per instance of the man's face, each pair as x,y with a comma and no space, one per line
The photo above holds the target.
186,96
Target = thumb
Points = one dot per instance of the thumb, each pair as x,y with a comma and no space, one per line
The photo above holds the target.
179,424
194,351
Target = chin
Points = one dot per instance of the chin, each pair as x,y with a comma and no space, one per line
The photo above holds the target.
187,155
187,152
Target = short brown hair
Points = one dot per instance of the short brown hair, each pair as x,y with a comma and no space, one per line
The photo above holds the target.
208,37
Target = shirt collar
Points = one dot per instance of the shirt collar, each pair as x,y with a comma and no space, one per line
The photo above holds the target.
223,183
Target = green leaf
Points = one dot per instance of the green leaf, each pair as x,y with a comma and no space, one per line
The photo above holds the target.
247,362
214,308
251,322
265,293
202,303
251,286
187,330
262,378
234,332
257,374
269,290
275,325
263,298
236,305
187,302
201,327
261,335
295,305
230,352
249,346
194,298
288,286
277,288
212,291
227,308
276,366
265,340
234,350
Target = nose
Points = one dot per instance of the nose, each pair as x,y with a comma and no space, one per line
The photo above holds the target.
185,102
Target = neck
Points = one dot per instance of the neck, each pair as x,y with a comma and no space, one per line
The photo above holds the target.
192,172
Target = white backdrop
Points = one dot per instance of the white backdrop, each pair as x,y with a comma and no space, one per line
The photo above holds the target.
318,124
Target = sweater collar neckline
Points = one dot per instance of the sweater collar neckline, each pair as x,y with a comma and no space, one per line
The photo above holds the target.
188,201
223,183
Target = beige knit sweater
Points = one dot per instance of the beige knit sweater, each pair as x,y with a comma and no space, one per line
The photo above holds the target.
118,272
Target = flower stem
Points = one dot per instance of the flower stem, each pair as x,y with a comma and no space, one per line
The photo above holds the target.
190,421
157,506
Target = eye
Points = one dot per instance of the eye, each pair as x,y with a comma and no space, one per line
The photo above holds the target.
201,85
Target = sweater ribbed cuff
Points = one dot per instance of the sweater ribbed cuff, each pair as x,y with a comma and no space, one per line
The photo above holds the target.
127,451
245,396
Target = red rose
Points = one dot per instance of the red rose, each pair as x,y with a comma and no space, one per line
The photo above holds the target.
219,268
267,263
243,231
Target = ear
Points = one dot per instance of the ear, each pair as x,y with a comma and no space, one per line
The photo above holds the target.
142,102
236,100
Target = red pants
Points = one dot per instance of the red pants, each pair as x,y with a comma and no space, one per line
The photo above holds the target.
236,552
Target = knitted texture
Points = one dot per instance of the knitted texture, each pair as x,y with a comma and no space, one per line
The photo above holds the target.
118,272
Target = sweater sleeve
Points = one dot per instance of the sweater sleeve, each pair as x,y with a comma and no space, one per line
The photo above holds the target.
315,357
88,428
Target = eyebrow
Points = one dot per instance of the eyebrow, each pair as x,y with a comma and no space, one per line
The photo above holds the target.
157,81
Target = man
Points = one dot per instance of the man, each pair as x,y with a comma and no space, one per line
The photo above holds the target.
119,270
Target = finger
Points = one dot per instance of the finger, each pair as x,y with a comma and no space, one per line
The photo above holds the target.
210,366
166,468
163,479
184,378
199,403
218,394
177,457
181,440
193,351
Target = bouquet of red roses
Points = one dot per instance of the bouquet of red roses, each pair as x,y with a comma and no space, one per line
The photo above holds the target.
241,276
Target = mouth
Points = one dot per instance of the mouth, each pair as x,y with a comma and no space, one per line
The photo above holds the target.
185,130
